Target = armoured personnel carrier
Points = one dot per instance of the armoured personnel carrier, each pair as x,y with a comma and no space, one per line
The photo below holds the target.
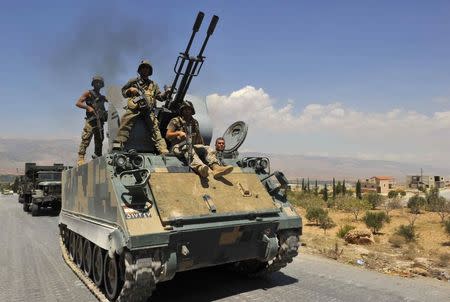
131,219
41,187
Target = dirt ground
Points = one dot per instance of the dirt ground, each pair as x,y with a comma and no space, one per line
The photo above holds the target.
428,256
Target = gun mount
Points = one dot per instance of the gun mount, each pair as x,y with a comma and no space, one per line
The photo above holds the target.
186,72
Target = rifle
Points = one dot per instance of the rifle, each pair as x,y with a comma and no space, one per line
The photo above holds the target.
98,119
142,99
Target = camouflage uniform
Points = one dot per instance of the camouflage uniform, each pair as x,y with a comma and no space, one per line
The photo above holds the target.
180,148
97,101
137,108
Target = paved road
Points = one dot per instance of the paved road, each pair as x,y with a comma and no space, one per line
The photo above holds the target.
31,269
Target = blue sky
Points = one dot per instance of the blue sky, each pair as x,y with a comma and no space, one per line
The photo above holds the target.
369,56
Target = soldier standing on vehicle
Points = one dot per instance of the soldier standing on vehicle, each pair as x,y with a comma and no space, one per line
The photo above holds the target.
183,132
96,115
142,94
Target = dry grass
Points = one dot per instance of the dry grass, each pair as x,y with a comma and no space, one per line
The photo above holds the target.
431,243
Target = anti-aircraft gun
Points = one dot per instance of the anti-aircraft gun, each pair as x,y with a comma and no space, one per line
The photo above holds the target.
187,67
133,218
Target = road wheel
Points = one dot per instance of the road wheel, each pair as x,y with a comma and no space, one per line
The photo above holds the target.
34,209
97,272
111,277
25,207
79,252
66,238
87,257
72,245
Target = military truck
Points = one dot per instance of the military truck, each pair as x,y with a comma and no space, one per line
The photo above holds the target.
133,218
41,187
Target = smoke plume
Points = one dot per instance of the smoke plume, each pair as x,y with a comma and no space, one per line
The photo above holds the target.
103,42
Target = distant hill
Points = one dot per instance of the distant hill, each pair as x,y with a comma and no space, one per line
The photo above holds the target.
15,152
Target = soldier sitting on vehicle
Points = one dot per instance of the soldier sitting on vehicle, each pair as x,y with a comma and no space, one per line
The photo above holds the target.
220,146
96,115
183,132
142,94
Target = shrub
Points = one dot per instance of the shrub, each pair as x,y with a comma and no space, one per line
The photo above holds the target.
314,214
402,193
375,220
374,199
416,203
408,232
343,230
392,194
396,240
447,226
444,259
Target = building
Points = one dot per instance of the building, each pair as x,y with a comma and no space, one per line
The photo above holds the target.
424,181
378,184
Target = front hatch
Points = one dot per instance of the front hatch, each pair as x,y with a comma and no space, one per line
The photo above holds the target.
184,196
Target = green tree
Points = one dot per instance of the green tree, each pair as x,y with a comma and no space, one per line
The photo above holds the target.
334,188
392,194
307,186
432,196
314,214
326,223
416,203
374,199
441,206
338,188
358,189
344,189
375,220
316,188
303,185
353,205
325,193
402,193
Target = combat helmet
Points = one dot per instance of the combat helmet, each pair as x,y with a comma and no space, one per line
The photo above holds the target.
143,63
97,78
187,104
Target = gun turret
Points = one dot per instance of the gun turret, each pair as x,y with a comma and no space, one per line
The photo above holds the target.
192,69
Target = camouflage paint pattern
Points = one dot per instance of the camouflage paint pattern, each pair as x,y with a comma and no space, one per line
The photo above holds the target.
217,221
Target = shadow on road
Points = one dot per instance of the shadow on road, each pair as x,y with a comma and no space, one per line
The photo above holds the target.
213,284
47,212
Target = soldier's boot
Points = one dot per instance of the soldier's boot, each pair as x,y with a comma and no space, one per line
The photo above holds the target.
219,171
80,160
202,170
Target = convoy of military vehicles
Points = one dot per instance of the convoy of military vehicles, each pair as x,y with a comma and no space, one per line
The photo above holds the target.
132,218
40,188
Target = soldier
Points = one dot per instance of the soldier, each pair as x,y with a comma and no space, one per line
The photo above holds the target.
142,94
94,104
183,132
220,144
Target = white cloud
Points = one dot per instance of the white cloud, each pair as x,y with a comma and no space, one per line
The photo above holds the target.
397,134
258,109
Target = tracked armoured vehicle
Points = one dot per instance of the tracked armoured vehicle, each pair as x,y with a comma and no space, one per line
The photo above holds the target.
131,219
